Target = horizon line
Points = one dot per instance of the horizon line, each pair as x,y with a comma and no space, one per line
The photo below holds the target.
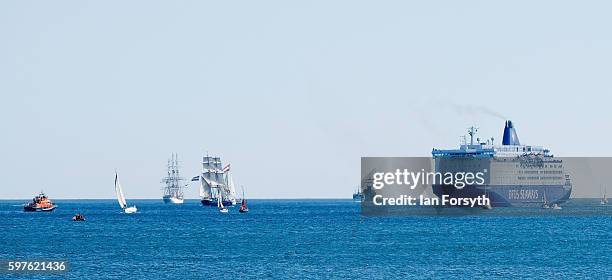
262,198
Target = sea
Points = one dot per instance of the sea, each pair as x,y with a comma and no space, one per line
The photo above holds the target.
306,239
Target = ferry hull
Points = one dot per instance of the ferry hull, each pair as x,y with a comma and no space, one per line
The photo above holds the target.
510,196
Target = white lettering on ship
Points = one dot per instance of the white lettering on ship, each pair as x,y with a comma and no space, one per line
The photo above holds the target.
523,194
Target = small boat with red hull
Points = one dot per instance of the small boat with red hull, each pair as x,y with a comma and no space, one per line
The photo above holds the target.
243,207
40,203
243,204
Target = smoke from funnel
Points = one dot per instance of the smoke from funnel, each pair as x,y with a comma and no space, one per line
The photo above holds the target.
476,110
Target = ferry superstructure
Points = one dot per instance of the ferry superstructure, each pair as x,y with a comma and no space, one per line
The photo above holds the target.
515,174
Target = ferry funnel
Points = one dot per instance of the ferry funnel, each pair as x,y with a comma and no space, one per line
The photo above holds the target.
510,137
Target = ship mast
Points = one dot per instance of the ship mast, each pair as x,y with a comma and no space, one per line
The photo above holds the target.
173,179
472,131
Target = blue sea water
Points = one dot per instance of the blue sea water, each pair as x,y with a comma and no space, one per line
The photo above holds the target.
305,239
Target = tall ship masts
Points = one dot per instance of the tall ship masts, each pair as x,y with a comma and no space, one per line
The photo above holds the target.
216,182
173,191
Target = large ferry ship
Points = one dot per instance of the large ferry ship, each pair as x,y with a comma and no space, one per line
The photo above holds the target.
515,174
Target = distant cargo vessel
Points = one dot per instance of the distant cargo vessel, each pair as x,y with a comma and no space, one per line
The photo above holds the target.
515,174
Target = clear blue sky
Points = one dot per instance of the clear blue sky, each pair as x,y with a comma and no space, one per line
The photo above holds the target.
292,93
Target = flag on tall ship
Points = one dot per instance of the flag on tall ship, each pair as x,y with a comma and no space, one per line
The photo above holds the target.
226,168
196,178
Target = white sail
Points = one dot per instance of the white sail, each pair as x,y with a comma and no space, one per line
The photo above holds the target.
230,187
209,179
208,163
213,177
217,163
119,191
220,200
205,190
216,181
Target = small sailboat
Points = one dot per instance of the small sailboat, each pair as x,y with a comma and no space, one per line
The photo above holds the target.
121,197
556,206
243,204
487,206
604,199
220,205
544,202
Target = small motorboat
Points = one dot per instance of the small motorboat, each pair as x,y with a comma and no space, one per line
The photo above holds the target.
78,218
545,204
556,206
40,203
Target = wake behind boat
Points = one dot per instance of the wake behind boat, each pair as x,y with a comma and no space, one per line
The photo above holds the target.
121,197
40,203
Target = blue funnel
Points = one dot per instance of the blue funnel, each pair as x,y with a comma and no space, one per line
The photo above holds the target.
510,137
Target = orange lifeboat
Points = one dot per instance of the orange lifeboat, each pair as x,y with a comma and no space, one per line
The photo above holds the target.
40,203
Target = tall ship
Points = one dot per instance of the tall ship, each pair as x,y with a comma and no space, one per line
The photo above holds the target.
358,195
216,183
514,174
40,203
173,191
